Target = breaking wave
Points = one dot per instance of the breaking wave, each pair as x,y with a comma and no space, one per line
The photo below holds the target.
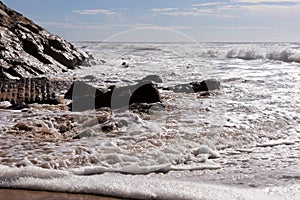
286,55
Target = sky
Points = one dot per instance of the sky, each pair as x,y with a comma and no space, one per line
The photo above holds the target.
166,20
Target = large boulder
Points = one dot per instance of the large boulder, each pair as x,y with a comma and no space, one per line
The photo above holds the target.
28,50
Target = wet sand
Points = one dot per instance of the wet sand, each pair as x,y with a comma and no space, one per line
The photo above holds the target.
13,194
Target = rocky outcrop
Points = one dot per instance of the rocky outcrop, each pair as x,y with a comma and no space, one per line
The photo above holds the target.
28,50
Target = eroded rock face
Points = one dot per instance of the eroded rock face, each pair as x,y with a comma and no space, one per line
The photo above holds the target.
26,91
28,50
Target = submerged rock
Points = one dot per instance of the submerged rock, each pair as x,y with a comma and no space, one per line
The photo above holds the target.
194,87
28,50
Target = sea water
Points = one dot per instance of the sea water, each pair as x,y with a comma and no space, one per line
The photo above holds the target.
197,147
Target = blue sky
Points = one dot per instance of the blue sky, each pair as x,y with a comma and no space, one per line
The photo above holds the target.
166,20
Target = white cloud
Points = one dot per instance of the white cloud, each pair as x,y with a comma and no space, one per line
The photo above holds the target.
95,12
73,25
242,28
238,8
208,4
106,26
149,26
264,10
192,12
163,9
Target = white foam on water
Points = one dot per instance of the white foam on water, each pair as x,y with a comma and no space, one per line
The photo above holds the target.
135,186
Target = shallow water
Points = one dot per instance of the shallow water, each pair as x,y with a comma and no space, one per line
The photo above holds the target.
248,133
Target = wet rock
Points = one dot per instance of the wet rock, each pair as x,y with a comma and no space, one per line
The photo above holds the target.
143,92
19,106
206,85
80,89
124,64
109,127
23,126
194,87
86,97
153,78
89,77
27,90
28,50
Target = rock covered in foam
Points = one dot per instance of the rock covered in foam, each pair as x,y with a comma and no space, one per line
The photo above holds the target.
203,149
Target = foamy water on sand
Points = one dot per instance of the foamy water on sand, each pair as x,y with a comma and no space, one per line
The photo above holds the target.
199,147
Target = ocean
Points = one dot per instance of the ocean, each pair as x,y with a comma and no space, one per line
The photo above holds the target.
240,142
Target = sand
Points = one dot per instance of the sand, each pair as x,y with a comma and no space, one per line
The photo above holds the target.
13,194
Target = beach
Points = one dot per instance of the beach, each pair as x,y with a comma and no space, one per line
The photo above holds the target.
13,194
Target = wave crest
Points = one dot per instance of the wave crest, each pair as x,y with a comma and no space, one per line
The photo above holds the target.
285,55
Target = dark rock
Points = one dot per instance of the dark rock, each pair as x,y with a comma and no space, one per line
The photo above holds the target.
124,64
86,97
143,92
89,77
206,85
18,106
153,78
194,87
27,50
80,89
83,103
